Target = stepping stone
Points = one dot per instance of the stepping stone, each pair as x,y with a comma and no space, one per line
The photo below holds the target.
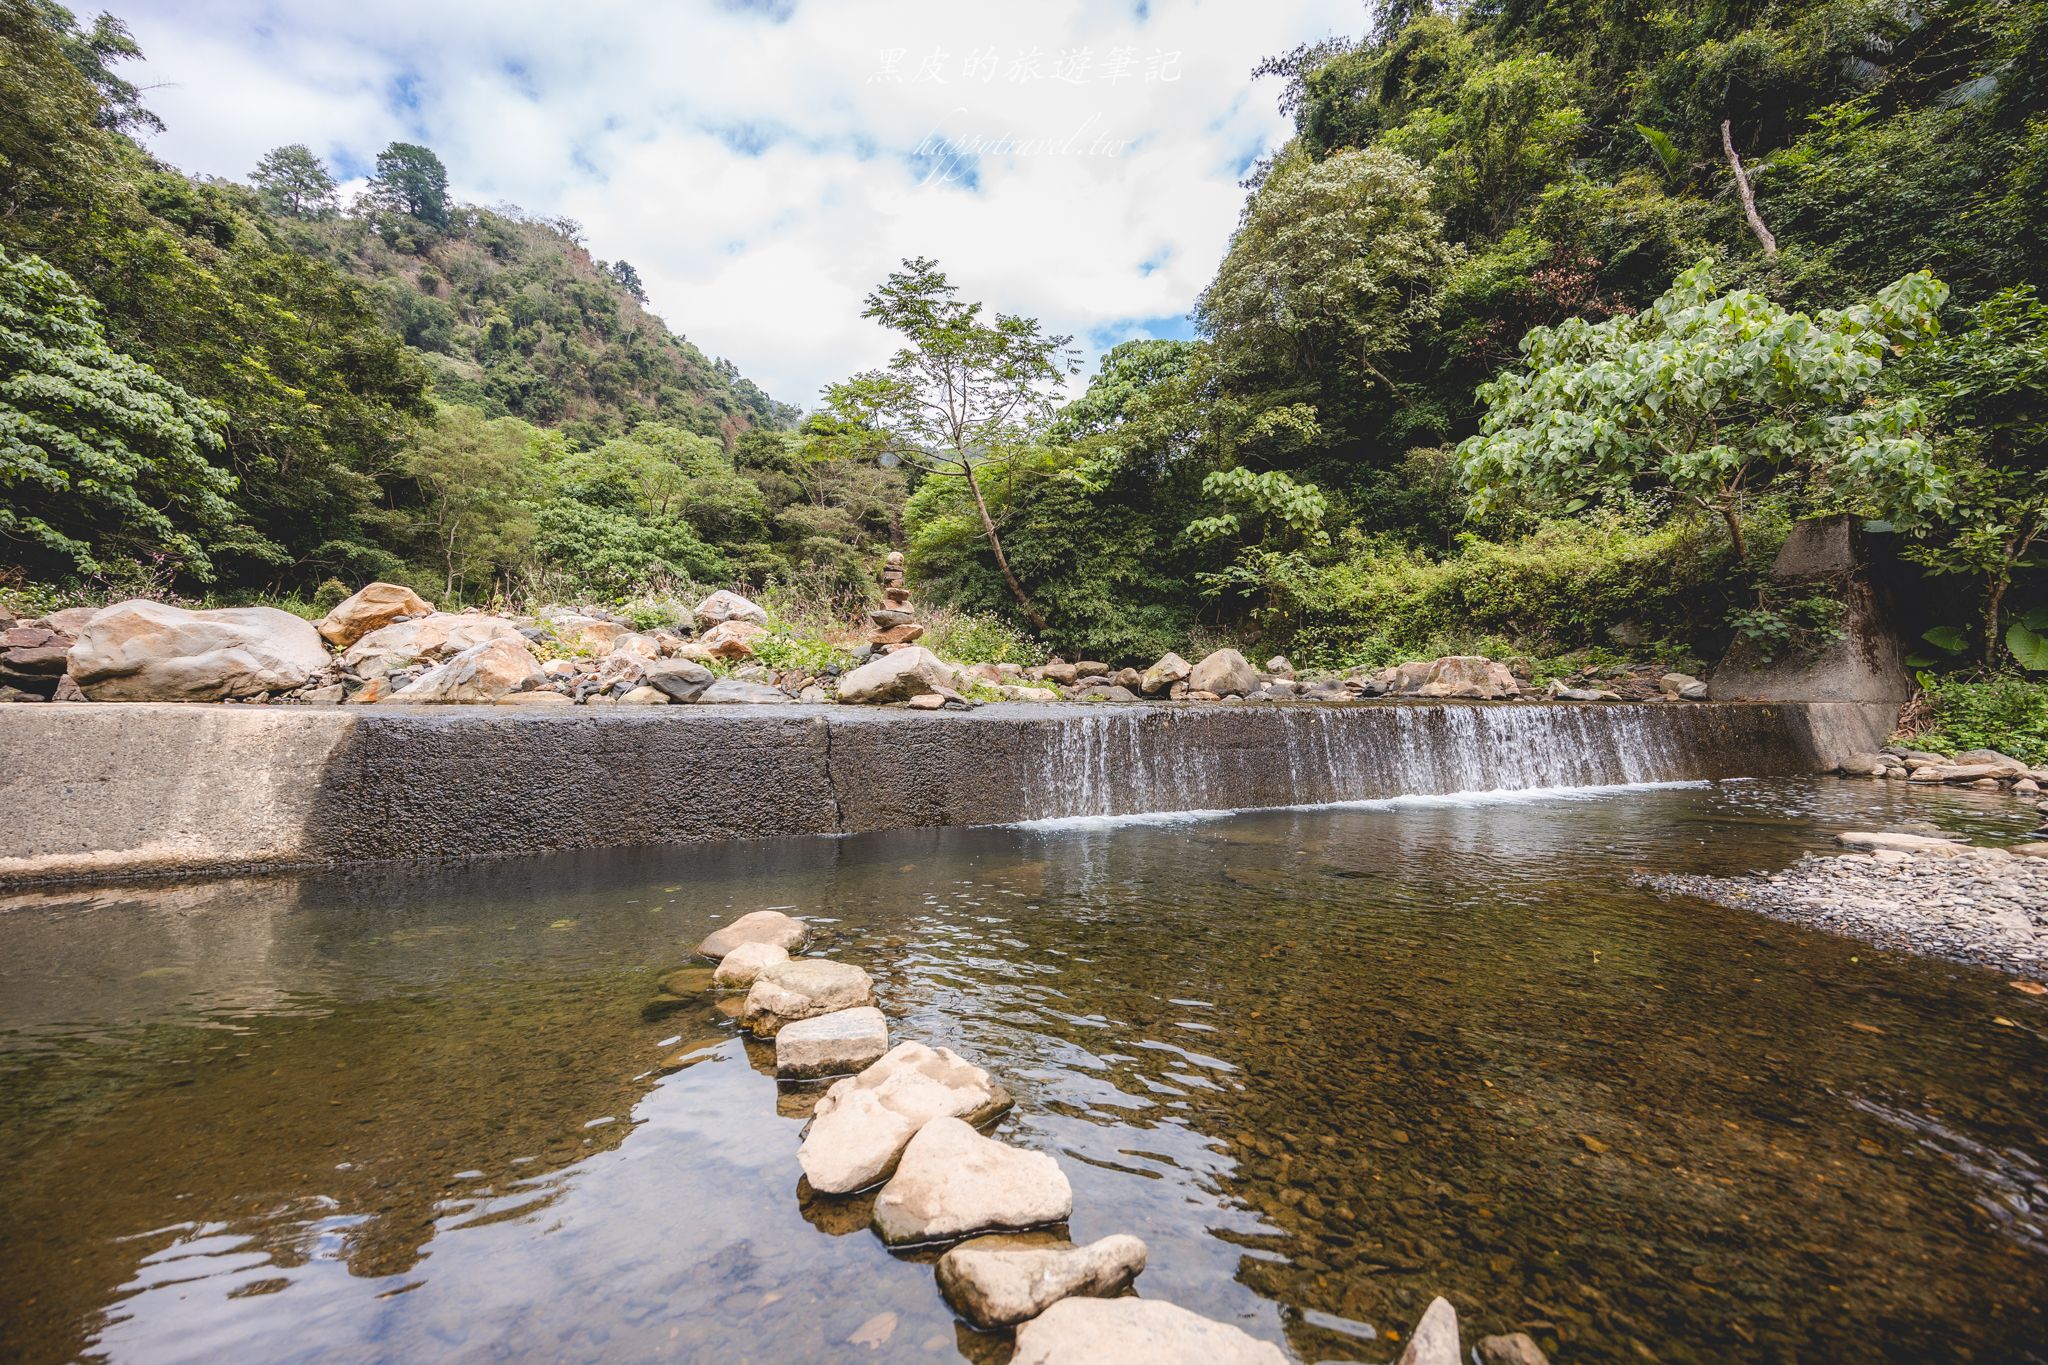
1435,1338
1002,1281
1135,1332
836,1044
863,1123
738,968
953,1182
762,926
802,989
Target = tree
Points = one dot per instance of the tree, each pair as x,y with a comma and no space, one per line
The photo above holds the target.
410,179
629,279
90,52
293,183
964,395
471,472
100,456
1127,370
1989,384
1336,263
1713,397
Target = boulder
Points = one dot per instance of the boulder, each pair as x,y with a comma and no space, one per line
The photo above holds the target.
371,608
1458,675
758,926
1515,1348
996,1282
953,1182
745,693
897,676
723,606
148,651
482,673
593,633
1558,691
1224,673
1164,674
738,968
643,695
1279,667
429,638
1012,692
801,989
69,621
863,1123
1135,1332
681,679
731,639
1679,687
1902,843
1435,1339
639,646
1060,673
835,1044
897,635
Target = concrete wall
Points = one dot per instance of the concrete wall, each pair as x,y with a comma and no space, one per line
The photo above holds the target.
91,791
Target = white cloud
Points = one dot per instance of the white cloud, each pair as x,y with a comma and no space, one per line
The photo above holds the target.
759,173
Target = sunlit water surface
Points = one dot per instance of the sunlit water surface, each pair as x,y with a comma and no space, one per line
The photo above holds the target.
1327,1063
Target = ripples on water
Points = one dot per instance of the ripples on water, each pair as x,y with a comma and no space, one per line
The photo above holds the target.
1327,1062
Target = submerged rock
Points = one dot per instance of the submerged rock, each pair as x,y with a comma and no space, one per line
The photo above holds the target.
1515,1348
897,676
738,968
149,651
1435,1339
372,607
1135,1332
1903,843
1224,673
953,1182
1001,1281
835,1044
801,989
863,1123
758,926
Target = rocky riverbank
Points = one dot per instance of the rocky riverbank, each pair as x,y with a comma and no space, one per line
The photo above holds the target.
387,644
1918,893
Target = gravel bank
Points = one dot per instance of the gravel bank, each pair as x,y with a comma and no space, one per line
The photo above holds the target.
1981,905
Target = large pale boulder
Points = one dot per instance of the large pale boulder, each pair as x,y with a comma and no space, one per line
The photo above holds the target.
738,968
1164,674
953,1182
898,676
801,989
832,1044
724,606
148,651
1225,672
371,608
1001,1281
487,672
1435,1338
758,926
1468,675
428,639
1135,1332
863,1123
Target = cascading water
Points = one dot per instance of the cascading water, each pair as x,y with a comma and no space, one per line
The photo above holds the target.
1132,760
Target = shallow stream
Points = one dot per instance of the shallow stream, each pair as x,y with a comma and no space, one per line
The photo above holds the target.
1327,1063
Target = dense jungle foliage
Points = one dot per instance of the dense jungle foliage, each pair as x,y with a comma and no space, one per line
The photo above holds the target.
1535,338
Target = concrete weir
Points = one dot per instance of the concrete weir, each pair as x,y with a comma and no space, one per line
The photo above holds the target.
94,791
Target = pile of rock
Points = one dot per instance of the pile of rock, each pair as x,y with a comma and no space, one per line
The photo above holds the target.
1985,769
33,654
894,624
905,1122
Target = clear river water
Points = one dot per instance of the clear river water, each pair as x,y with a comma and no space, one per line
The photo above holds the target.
1327,1062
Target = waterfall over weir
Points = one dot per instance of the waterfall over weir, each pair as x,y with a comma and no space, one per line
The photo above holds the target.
1125,761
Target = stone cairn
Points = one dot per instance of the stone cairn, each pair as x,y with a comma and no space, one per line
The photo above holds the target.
904,1122
894,623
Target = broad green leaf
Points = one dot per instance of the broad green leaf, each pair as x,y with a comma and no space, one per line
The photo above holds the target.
1947,638
2030,649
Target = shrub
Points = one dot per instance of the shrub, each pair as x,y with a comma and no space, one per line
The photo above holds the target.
2007,714
330,595
976,638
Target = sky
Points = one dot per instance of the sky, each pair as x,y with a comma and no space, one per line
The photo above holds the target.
765,163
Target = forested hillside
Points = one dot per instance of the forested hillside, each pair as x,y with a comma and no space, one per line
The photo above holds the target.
235,389
1463,175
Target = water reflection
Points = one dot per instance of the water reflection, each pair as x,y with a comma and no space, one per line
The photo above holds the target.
1327,1063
